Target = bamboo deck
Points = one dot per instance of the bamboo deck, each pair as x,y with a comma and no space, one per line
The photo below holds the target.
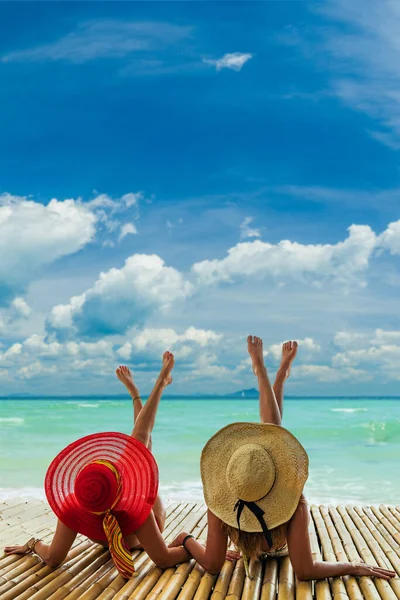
337,534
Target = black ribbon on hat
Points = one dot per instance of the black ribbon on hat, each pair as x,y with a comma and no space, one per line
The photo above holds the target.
258,513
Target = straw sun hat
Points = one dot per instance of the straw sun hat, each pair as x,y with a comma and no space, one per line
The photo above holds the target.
253,476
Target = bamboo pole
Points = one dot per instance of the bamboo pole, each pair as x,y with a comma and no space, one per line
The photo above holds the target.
147,584
269,587
191,585
223,580
237,581
9,510
24,570
286,580
392,520
114,585
81,577
326,536
205,587
322,589
43,587
392,557
382,530
252,587
373,543
395,513
384,555
367,587
351,583
360,539
82,588
33,582
103,582
387,525
161,584
177,581
144,566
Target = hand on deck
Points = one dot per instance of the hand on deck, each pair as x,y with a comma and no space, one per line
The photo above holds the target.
25,549
230,554
361,569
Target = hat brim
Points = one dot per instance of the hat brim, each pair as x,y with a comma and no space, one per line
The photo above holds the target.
291,473
139,477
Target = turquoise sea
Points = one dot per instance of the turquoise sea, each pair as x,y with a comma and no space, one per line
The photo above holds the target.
353,443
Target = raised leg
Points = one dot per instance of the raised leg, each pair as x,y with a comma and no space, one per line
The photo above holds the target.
289,351
269,410
144,419
125,376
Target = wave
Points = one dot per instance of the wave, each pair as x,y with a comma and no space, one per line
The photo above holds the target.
85,405
28,493
14,420
349,410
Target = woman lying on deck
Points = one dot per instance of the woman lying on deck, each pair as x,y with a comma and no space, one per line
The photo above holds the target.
253,478
105,487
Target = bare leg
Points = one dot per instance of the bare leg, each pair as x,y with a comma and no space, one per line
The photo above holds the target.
125,376
269,410
144,418
289,351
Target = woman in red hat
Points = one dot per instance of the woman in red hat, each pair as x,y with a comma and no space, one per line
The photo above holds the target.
105,486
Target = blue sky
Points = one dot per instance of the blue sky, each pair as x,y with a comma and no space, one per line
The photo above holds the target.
178,175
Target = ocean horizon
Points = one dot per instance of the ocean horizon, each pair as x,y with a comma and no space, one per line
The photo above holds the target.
353,442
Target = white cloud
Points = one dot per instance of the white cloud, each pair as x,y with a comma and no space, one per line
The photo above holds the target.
362,52
35,369
104,39
122,298
4,375
169,338
390,238
205,367
302,262
248,232
234,61
127,229
125,351
33,235
327,374
378,352
20,308
17,311
132,199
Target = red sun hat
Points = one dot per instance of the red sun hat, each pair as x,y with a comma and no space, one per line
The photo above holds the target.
78,485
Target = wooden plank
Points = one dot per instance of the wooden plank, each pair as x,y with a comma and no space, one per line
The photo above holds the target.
367,587
340,534
322,589
327,536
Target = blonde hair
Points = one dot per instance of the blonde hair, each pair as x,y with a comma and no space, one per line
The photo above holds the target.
251,544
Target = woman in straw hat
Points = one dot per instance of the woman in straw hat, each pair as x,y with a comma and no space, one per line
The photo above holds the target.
253,477
105,487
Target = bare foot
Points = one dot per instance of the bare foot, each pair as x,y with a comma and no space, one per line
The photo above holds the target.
125,376
289,351
165,375
255,348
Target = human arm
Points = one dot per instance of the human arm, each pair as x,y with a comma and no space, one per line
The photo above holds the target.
152,541
212,556
306,568
52,554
